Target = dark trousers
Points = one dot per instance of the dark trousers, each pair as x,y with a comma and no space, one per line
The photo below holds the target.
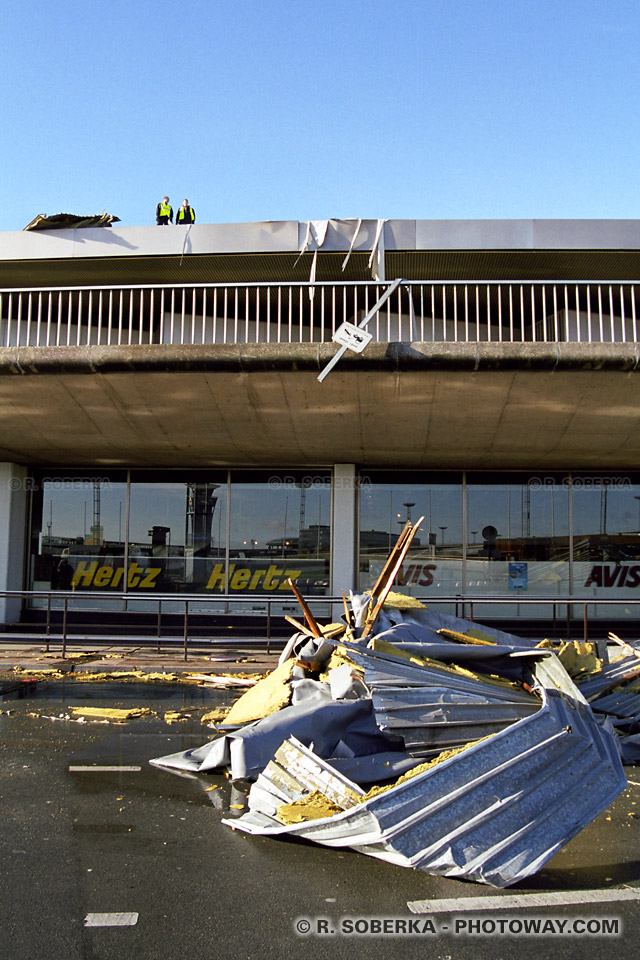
163,221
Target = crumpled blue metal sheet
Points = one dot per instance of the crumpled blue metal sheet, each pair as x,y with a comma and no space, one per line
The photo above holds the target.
494,813
431,707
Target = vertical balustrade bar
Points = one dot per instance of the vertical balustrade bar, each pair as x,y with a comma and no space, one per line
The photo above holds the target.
152,301
99,318
49,314
246,320
268,321
120,316
161,324
466,312
300,314
488,292
444,314
455,313
140,317
279,318
203,338
612,321
511,330
533,314
600,314
110,317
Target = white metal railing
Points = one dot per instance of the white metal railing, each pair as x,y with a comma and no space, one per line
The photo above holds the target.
447,311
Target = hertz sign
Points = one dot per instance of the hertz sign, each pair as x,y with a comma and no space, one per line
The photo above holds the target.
92,574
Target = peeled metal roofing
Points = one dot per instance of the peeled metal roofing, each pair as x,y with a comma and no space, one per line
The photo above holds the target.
495,813
71,221
432,708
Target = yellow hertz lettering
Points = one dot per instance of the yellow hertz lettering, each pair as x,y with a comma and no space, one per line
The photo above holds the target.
241,578
95,575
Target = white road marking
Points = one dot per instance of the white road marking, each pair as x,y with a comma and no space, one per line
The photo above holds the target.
517,900
111,919
99,769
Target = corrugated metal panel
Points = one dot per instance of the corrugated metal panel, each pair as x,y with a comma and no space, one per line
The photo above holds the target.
436,265
495,813
513,264
433,709
602,682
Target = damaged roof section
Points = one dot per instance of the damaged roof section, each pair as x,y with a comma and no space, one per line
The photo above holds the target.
485,757
70,221
495,811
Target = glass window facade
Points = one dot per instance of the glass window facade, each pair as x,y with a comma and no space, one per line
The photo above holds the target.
434,563
515,536
186,534
232,533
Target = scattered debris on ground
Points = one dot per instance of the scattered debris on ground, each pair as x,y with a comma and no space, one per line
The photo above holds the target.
425,740
118,714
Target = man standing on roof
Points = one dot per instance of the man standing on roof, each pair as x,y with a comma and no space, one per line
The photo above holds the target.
164,213
185,214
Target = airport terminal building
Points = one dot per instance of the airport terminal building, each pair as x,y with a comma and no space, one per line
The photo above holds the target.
177,420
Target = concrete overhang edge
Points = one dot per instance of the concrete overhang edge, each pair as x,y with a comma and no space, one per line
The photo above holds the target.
312,357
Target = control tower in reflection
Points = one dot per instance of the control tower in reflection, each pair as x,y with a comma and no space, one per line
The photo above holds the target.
199,511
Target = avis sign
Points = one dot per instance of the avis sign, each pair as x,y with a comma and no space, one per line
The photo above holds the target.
610,575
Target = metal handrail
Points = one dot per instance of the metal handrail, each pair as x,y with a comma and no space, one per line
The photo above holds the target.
461,602
546,311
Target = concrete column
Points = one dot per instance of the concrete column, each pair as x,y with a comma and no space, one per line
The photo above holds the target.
13,516
344,529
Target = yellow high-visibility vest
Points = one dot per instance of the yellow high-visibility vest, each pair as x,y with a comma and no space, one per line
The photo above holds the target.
165,210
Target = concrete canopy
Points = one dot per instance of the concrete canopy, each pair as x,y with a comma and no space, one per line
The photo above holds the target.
489,406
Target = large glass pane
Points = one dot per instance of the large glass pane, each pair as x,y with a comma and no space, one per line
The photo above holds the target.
433,565
518,542
280,528
78,529
177,531
606,545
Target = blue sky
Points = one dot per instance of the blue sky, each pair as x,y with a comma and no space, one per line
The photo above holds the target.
264,110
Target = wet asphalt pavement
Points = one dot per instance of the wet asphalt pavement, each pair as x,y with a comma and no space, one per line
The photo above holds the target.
150,842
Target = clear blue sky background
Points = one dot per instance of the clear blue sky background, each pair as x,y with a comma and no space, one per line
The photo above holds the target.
278,109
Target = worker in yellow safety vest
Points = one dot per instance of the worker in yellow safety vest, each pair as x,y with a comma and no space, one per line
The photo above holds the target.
164,213
185,214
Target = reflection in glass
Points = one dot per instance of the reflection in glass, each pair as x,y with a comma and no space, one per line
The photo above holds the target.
280,528
433,564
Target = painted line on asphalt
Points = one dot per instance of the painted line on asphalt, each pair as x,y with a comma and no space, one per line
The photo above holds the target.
100,769
111,919
517,900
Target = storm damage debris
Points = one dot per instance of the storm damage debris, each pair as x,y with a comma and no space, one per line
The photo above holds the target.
421,739
117,714
71,221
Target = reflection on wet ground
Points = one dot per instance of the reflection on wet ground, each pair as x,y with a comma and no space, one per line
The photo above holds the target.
100,748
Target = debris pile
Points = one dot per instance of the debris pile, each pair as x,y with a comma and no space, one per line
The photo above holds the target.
418,738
